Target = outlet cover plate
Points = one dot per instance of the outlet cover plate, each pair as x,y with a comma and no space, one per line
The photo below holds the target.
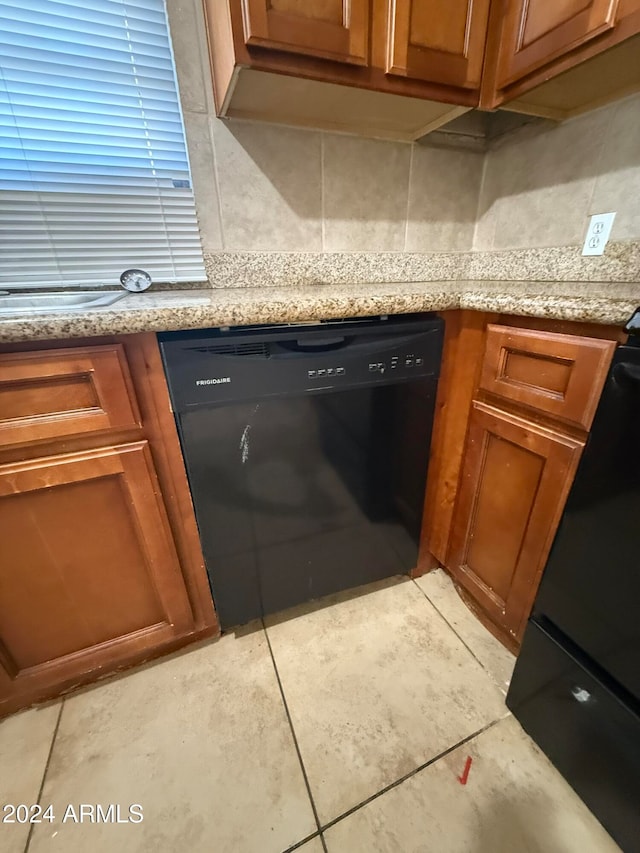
598,233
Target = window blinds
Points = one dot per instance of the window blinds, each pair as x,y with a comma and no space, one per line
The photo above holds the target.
94,176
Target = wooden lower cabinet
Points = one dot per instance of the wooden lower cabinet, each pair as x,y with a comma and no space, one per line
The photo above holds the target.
515,480
100,565
516,400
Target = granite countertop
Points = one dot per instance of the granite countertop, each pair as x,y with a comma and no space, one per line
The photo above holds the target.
166,310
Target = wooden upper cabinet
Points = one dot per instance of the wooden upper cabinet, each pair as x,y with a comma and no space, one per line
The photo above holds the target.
328,29
89,573
437,42
536,32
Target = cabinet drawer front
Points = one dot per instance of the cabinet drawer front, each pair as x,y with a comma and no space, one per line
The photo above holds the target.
90,571
437,42
52,394
514,484
559,375
328,29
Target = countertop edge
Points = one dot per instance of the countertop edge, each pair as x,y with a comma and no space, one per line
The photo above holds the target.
248,306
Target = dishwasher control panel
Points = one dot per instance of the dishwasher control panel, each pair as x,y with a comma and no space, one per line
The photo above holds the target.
323,372
217,366
379,367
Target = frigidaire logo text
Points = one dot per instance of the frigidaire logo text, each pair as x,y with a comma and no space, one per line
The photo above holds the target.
216,380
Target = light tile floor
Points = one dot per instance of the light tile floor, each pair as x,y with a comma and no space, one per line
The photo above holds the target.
353,716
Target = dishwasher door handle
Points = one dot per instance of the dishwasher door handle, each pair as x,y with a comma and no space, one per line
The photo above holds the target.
361,344
318,345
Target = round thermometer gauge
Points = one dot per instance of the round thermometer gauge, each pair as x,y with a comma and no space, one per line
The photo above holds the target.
135,280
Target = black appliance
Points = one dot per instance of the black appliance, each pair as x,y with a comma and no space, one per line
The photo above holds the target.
576,684
306,448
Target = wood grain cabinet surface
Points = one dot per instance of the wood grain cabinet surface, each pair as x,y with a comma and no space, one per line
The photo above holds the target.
100,563
329,29
401,68
515,480
387,68
435,41
536,32
66,392
514,409
558,375
558,59
89,568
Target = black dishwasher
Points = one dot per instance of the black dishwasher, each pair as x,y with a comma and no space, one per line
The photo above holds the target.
306,448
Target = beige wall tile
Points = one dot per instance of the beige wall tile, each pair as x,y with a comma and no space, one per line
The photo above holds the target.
443,199
366,185
270,187
198,133
618,184
487,210
537,189
542,184
186,23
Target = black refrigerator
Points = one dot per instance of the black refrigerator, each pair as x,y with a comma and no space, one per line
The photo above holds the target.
576,684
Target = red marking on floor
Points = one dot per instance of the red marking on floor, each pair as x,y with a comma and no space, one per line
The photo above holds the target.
465,773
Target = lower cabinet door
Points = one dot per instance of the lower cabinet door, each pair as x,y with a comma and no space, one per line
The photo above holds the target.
89,576
514,483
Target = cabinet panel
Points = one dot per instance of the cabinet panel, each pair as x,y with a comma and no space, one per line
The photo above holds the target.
60,393
330,29
559,375
437,42
90,571
514,483
493,548
535,32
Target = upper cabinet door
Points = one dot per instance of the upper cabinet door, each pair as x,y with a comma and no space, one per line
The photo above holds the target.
535,32
329,29
437,41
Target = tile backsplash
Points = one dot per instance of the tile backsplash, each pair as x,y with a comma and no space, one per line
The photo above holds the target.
262,187
540,187
268,188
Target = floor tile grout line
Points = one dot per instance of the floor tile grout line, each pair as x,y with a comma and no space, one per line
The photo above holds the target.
467,647
295,739
305,840
407,776
44,773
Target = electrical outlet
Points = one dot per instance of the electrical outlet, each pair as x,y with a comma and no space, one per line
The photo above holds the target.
598,233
